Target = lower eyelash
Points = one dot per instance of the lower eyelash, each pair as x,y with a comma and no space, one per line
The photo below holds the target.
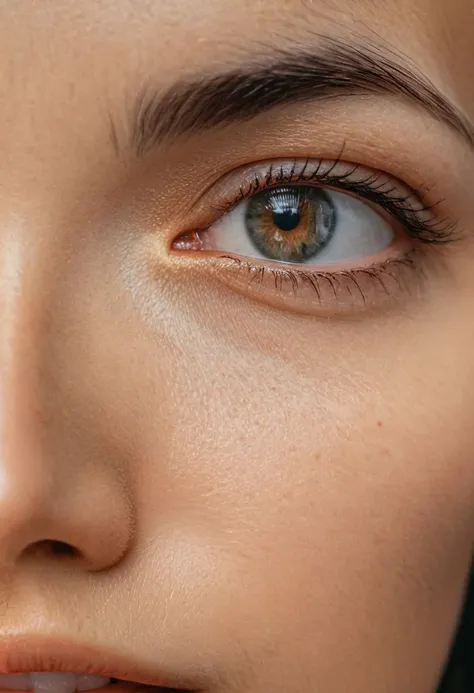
361,288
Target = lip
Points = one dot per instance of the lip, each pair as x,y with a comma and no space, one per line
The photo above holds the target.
19,654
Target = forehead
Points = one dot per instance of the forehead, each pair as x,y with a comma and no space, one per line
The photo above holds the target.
185,33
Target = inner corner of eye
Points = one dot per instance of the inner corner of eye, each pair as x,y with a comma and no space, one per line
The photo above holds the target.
190,240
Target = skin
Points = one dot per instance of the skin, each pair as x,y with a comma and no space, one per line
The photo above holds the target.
259,498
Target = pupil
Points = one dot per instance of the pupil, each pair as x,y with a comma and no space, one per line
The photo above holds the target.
287,220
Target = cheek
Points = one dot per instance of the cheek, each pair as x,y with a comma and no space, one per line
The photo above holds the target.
321,485
297,484
286,517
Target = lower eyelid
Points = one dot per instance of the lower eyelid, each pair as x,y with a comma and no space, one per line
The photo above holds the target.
301,289
330,290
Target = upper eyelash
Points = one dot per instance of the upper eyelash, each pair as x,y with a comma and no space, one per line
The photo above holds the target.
432,230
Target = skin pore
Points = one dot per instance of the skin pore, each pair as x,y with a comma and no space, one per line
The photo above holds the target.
258,480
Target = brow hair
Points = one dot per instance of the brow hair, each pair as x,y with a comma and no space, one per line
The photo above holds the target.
331,69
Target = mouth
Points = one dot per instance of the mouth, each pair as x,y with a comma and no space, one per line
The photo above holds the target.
42,666
69,682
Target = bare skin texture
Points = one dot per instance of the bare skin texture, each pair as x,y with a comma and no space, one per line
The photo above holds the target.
262,487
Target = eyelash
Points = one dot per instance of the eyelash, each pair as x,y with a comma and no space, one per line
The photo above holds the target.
434,230
408,209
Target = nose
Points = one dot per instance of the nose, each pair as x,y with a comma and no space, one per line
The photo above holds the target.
53,500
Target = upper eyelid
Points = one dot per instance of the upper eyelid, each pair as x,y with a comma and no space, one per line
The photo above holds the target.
437,229
310,169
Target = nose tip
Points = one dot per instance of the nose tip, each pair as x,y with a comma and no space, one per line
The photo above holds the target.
23,520
52,508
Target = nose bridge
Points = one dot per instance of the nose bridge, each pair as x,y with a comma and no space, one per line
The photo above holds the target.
24,477
22,324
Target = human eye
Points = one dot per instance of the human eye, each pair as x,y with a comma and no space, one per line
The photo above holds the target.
325,234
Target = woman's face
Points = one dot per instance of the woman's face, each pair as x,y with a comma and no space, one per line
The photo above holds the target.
236,355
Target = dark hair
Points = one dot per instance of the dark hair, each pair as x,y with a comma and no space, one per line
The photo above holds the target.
458,675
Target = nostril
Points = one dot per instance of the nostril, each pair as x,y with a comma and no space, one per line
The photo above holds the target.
52,547
60,548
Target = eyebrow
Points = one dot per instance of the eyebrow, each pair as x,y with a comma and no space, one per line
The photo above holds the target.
332,70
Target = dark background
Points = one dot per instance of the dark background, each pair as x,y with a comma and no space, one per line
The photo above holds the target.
459,673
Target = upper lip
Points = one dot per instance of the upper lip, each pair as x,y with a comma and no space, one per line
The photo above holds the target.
20,654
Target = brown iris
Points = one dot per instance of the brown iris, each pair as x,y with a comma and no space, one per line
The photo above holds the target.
291,223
